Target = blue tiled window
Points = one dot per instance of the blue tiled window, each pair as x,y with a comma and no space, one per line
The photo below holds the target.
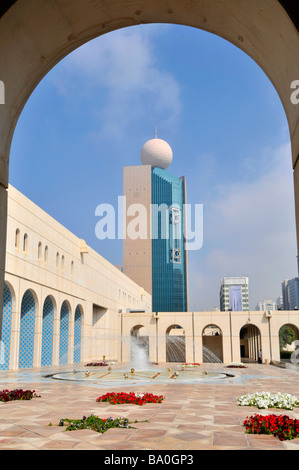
47,332
26,344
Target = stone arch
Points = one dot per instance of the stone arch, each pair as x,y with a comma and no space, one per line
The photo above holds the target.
212,343
76,23
8,303
12,293
175,344
27,329
289,333
262,29
139,346
250,343
78,333
65,312
49,308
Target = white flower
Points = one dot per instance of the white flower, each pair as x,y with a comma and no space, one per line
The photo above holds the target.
264,400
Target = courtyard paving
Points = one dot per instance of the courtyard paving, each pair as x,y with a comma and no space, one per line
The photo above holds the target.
202,416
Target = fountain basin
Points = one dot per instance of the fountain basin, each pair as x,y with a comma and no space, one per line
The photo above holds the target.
124,376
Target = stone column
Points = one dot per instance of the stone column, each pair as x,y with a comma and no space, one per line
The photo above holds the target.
3,224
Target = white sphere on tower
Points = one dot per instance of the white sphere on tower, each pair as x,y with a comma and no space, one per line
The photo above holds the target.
157,153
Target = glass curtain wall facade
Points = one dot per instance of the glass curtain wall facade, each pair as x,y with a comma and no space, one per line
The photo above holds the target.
169,274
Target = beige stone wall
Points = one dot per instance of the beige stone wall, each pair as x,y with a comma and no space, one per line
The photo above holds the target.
194,324
55,262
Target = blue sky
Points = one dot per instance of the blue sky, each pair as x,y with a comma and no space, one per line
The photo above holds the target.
91,115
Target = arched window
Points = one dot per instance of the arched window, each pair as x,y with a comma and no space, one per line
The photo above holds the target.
17,238
62,263
64,332
57,260
77,334
25,243
72,268
47,332
39,251
6,327
26,340
46,254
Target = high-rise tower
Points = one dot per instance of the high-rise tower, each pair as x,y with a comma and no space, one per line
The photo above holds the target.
157,259
234,294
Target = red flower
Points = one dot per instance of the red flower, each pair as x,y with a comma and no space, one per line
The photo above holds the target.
281,426
131,398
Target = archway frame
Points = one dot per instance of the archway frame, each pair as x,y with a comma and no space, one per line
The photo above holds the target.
295,330
213,342
35,36
65,343
11,308
175,344
254,341
25,340
77,342
52,336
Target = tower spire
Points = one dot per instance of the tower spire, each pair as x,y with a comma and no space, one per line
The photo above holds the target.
156,133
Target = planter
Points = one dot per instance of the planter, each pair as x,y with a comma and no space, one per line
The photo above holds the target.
283,427
130,398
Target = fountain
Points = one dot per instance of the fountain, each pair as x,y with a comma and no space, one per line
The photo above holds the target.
154,374
138,354
140,371
209,356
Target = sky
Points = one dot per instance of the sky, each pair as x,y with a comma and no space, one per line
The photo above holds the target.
91,114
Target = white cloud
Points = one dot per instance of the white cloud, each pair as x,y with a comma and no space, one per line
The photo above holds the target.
119,73
249,230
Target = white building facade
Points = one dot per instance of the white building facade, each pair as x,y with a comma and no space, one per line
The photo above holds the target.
234,294
267,304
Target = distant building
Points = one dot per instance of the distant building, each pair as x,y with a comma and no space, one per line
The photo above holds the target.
234,294
266,305
279,303
290,293
210,309
285,301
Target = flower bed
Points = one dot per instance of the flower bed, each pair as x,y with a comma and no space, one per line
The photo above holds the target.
96,364
282,426
190,365
236,365
130,398
264,400
18,394
94,423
